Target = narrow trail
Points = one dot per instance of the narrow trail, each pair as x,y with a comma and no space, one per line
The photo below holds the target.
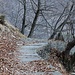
28,56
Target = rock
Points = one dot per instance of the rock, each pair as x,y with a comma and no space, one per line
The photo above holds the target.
44,52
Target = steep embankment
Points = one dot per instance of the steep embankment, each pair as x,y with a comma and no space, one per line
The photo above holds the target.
9,36
8,28
32,62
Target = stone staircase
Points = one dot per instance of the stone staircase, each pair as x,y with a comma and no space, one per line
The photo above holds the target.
28,52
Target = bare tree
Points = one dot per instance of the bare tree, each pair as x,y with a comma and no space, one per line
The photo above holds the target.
60,27
35,20
23,2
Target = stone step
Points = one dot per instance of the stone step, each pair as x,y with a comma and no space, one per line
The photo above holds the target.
28,58
42,73
28,53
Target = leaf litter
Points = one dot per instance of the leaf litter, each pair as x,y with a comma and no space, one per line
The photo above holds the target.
10,65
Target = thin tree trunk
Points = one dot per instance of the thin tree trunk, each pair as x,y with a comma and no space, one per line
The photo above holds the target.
33,24
35,20
70,45
24,18
62,24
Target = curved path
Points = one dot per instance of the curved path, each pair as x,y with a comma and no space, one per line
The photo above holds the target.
28,53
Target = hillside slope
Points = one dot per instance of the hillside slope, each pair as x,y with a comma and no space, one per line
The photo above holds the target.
11,56
8,28
9,36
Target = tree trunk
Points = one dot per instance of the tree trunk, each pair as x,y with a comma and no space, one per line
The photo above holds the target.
24,18
70,45
33,24
67,60
59,37
35,20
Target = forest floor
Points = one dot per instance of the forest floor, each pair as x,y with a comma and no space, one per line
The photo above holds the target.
19,57
33,64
